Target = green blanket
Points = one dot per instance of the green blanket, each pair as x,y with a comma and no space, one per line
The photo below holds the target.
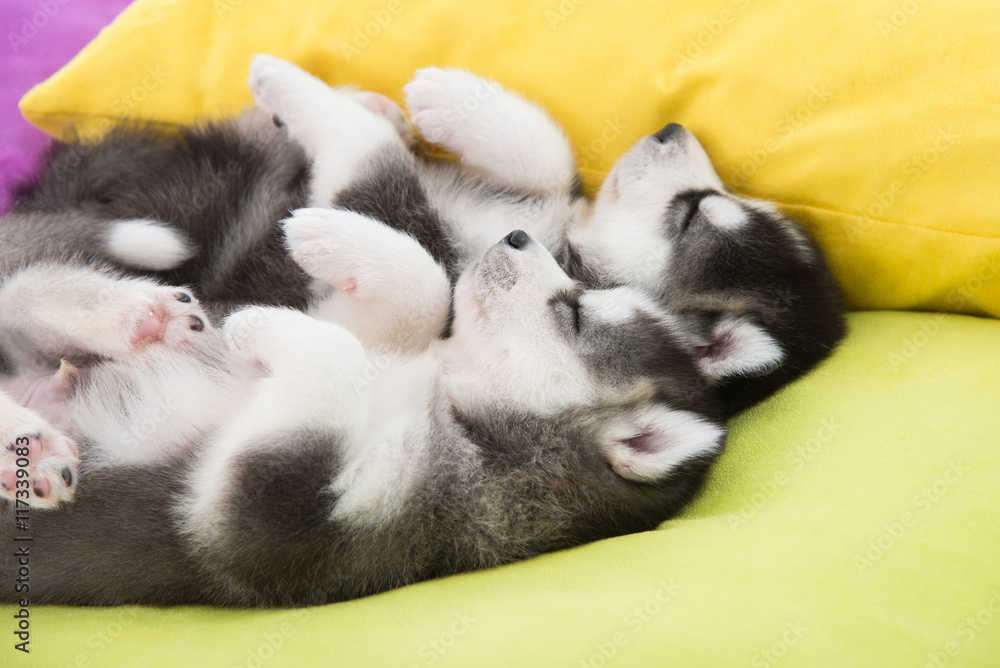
853,521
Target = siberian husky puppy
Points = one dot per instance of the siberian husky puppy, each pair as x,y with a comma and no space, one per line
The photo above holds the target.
738,274
553,415
752,292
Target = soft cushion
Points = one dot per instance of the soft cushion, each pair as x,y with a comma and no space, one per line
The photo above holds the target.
852,521
872,123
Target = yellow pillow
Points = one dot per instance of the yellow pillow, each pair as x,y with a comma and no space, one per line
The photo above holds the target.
874,124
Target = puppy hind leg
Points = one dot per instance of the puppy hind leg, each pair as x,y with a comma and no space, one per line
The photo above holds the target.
336,128
505,138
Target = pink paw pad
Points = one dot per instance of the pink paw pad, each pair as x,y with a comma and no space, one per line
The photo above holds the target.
167,319
47,464
150,326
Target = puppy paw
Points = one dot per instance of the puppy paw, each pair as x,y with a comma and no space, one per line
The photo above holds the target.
329,246
257,332
500,134
38,465
445,103
358,255
170,316
278,86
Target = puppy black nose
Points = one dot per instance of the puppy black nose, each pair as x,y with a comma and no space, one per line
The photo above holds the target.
517,239
663,136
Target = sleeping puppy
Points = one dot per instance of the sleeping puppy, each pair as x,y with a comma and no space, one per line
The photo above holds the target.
222,187
747,284
553,415
737,273
734,270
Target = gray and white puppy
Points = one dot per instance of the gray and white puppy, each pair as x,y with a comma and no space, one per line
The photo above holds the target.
749,286
527,430
306,463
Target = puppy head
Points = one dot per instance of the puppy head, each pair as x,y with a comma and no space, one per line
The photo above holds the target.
747,283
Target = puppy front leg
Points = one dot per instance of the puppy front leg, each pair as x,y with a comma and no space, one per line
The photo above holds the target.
59,310
38,463
502,136
389,292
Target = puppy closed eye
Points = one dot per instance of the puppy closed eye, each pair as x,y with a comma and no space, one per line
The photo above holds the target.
568,312
689,205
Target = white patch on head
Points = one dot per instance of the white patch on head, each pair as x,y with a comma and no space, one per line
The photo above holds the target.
148,244
723,213
648,444
618,305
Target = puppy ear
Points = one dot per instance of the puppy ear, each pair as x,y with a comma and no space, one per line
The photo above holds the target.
736,346
646,444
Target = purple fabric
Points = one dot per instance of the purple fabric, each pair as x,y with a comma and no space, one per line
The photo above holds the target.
39,37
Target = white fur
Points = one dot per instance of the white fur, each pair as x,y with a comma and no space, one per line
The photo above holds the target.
337,132
148,244
170,411
380,469
670,437
544,219
619,305
723,213
494,131
744,348
383,278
